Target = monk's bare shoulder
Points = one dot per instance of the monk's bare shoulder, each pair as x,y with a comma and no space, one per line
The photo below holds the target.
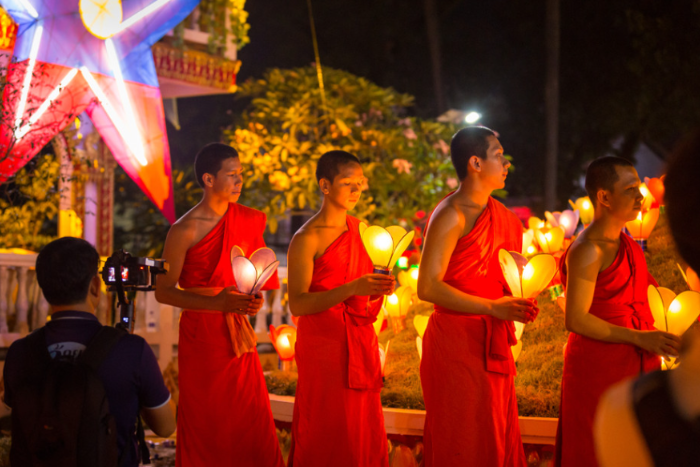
305,239
191,227
447,216
584,253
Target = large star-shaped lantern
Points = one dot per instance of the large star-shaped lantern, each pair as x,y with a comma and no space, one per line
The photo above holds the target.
91,55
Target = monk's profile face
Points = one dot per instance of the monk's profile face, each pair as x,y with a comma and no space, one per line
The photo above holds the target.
494,169
347,186
228,181
625,199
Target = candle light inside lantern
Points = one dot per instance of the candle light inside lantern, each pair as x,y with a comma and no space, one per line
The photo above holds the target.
673,313
385,246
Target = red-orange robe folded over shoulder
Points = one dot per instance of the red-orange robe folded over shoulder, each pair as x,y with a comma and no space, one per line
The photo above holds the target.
224,414
467,371
592,366
338,418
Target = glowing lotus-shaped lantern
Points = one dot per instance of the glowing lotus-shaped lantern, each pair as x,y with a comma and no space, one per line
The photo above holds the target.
567,220
550,240
252,273
409,278
648,197
516,349
383,352
691,278
397,305
419,346
673,313
380,321
536,223
526,279
641,227
283,339
528,248
385,246
585,208
420,322
657,188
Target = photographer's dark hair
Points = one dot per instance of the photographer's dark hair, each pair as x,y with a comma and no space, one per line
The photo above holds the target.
329,164
602,175
682,198
468,142
64,269
208,160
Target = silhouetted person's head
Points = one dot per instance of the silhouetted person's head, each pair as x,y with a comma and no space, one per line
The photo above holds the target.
682,199
340,178
65,270
476,150
219,172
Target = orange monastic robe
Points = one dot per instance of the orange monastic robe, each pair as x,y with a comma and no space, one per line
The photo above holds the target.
224,415
338,419
592,366
467,371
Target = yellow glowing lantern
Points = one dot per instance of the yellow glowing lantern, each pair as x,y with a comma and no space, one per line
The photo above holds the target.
527,279
419,346
690,277
528,247
535,223
397,305
283,339
673,313
385,246
516,349
379,322
550,240
402,263
585,208
383,352
102,18
648,197
657,188
641,227
561,301
420,322
413,279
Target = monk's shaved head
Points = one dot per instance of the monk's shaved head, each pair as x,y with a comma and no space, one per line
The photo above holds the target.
602,175
330,163
468,142
682,199
209,159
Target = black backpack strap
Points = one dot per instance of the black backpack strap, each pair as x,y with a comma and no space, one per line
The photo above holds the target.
143,447
100,346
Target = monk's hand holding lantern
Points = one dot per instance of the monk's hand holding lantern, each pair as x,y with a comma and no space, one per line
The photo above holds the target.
385,246
252,273
673,313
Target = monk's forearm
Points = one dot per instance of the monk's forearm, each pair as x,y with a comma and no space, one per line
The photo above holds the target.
187,300
446,296
310,303
593,327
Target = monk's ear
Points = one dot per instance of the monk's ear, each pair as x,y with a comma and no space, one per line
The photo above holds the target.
325,186
208,180
603,198
475,163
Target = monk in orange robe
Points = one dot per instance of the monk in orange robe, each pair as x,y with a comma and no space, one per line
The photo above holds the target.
612,328
467,371
338,418
224,415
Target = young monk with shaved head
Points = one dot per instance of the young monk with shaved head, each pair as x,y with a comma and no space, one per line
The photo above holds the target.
467,369
338,417
607,311
224,415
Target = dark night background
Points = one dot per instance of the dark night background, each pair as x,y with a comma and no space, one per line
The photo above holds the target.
628,69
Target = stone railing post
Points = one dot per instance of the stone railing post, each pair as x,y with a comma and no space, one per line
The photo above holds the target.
4,297
22,302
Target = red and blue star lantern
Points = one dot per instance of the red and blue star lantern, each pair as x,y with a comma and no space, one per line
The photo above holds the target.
72,56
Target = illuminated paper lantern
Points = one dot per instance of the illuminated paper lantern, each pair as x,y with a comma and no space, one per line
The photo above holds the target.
413,279
690,277
673,313
516,349
419,346
528,248
535,223
252,273
641,227
561,301
283,339
526,279
657,188
385,246
585,209
648,197
379,322
567,220
550,240
383,352
420,322
397,305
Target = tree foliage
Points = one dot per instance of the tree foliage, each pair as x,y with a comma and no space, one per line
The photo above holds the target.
287,128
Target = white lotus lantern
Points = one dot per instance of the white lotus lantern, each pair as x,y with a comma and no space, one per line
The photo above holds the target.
252,273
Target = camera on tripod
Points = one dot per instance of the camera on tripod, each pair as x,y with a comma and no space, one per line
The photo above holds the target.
124,273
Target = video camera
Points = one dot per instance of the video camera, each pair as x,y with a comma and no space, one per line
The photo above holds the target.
123,273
